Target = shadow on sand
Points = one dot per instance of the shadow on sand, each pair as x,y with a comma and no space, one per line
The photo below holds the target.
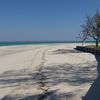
48,96
65,51
94,91
55,75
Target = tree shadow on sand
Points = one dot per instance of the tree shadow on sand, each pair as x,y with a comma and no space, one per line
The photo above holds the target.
51,95
67,73
94,91
13,78
55,74
65,51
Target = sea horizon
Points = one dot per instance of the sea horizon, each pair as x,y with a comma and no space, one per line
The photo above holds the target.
12,43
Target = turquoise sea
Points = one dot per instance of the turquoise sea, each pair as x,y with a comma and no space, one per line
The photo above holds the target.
38,42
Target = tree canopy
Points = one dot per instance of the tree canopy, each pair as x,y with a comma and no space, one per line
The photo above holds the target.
91,28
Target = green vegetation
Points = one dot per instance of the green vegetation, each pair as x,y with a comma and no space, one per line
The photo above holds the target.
93,46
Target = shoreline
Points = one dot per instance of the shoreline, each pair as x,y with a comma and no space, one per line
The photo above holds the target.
42,43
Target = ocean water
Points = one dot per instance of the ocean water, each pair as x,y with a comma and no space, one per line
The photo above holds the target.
39,42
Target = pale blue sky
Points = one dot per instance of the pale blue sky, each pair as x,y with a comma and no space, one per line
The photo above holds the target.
43,20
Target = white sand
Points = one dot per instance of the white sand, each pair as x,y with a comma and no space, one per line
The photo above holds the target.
67,73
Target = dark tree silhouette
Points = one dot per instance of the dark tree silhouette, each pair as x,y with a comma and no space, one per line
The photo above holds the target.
83,37
91,28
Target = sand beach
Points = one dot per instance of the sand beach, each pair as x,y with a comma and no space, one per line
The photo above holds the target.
50,72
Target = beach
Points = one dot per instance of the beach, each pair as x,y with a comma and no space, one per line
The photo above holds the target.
48,71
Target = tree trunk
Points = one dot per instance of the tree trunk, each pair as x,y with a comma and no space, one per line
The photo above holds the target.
96,43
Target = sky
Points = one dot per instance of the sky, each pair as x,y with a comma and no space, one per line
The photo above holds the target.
44,20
